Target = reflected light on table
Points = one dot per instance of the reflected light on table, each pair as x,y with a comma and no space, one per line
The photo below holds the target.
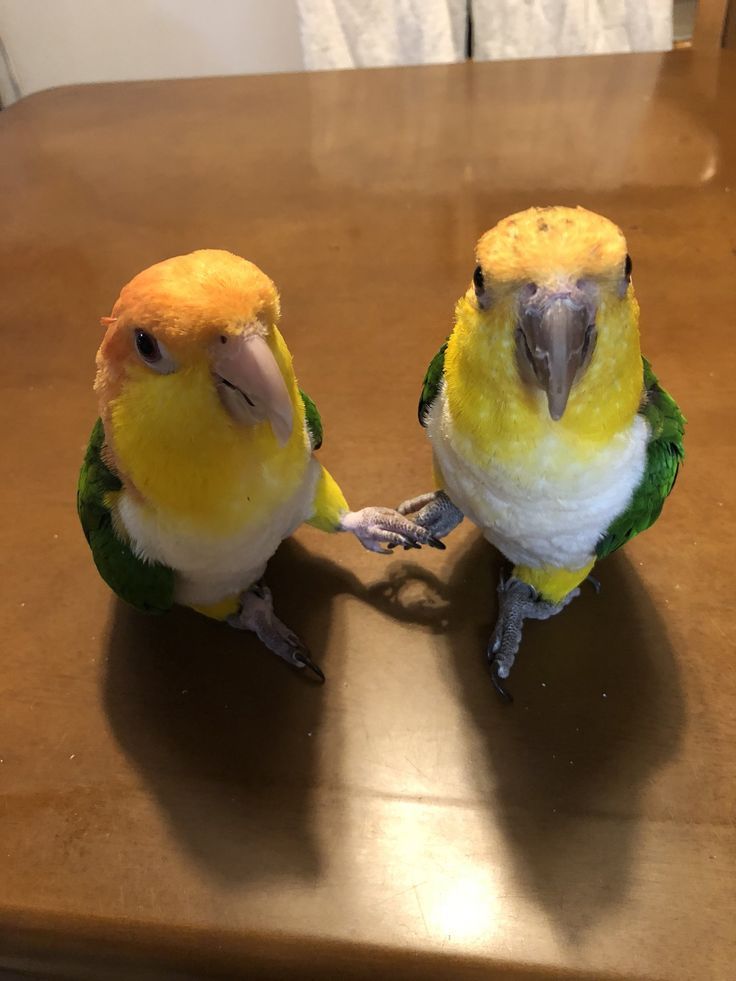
467,909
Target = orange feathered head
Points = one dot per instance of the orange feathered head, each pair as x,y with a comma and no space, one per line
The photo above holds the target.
208,307
548,274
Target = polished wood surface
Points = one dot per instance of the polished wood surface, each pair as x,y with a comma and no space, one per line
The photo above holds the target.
173,796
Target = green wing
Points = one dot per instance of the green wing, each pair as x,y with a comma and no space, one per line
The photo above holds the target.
147,586
314,422
432,382
664,455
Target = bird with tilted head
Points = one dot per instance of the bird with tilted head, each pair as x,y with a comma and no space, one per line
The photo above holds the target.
548,428
202,460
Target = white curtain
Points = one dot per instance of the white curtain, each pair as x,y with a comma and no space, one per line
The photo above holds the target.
369,33
373,33
545,28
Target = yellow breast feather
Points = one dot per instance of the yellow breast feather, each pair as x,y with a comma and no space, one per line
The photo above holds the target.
494,415
190,461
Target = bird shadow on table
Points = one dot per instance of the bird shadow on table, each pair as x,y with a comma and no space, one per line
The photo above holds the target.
223,739
598,710
225,733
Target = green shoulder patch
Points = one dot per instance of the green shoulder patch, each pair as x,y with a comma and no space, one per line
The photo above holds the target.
665,453
147,586
432,382
314,421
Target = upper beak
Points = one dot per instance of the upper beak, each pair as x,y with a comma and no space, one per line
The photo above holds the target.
251,386
555,337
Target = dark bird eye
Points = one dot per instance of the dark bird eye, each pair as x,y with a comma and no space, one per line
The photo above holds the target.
147,346
478,281
627,268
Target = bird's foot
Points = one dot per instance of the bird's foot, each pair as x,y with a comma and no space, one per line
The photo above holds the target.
379,529
518,601
434,511
256,614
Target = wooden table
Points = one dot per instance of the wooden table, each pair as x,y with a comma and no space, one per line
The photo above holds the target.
174,799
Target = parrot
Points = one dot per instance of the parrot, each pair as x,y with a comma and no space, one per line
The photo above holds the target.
549,429
202,459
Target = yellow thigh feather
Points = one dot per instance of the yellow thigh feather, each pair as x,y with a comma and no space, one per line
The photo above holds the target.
552,584
329,504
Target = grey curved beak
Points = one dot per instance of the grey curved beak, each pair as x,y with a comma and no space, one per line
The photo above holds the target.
555,337
251,385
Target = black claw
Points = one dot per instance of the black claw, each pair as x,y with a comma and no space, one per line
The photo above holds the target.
406,545
303,660
504,693
436,543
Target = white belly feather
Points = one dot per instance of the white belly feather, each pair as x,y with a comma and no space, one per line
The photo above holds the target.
212,568
550,509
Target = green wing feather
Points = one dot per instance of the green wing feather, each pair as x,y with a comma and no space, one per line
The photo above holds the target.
432,382
314,422
664,455
147,586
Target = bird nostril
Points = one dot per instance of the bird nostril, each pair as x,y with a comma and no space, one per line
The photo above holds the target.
223,339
